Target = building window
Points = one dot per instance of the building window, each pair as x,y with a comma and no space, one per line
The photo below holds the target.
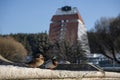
62,21
67,20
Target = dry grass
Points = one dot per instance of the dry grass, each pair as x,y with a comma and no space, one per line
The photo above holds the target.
12,50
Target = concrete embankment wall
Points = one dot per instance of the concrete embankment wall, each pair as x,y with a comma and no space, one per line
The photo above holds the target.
23,73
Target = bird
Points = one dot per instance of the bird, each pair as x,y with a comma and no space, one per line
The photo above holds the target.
37,61
52,63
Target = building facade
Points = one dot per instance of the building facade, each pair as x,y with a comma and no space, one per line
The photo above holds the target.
68,25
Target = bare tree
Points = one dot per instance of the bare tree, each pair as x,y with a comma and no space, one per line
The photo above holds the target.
107,36
70,52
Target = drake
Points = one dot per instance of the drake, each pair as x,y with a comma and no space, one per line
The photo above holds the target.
51,64
37,61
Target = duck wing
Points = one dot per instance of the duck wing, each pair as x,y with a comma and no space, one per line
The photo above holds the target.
50,65
32,61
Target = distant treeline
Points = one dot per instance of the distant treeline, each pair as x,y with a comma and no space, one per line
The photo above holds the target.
34,43
39,43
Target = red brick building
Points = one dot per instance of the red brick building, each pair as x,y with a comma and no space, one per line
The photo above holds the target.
67,24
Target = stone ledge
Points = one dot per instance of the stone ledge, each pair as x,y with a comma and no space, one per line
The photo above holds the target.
15,72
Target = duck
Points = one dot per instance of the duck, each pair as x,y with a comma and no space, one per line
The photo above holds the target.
37,61
52,63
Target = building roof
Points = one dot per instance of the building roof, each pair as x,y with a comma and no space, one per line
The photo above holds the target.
67,13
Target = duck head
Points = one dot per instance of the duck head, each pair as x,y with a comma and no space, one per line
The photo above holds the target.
39,56
55,61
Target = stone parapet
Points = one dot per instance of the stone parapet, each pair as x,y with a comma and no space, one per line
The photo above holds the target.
14,72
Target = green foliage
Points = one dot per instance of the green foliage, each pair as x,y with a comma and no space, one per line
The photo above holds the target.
34,43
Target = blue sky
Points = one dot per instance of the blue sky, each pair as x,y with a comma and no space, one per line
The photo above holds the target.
33,16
